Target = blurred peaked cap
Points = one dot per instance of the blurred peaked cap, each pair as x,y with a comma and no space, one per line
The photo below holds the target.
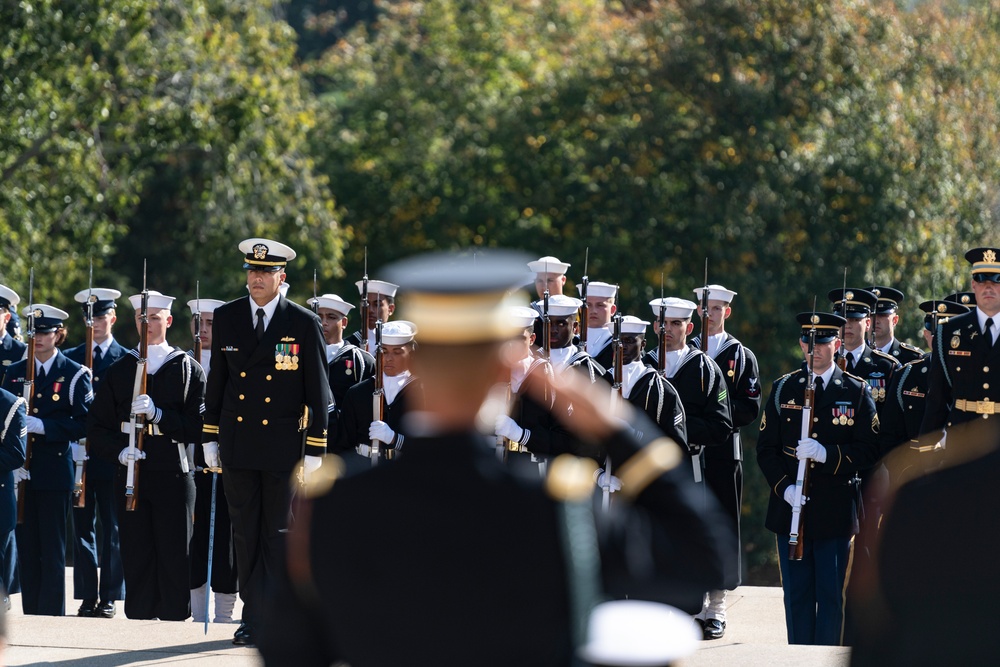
204,305
888,298
103,299
548,264
47,318
630,325
522,316
377,287
459,298
598,289
942,310
984,260
265,255
156,301
331,302
964,298
853,302
398,332
716,293
637,633
673,308
560,305
827,325
8,297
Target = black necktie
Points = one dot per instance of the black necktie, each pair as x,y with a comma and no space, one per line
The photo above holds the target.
97,354
40,375
850,363
260,324
988,334
819,385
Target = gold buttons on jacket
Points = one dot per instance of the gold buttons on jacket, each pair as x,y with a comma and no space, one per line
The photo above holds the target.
268,377
239,419
267,399
264,422
243,374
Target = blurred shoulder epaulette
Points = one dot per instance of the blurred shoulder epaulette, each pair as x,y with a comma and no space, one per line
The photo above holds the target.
660,456
911,348
570,478
882,355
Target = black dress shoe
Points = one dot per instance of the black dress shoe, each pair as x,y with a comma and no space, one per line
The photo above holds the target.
244,635
713,628
87,609
104,610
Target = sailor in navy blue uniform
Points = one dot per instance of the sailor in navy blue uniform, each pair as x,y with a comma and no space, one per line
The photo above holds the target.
98,597
884,320
11,349
564,318
381,306
842,442
550,274
13,437
724,465
60,398
601,307
348,363
224,582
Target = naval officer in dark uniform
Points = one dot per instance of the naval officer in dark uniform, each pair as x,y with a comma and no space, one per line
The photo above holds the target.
843,441
60,398
462,547
98,597
268,365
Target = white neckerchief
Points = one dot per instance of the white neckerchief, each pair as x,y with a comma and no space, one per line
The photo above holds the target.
206,359
156,355
560,357
332,349
268,307
518,372
393,385
630,374
715,342
371,340
596,340
672,361
995,331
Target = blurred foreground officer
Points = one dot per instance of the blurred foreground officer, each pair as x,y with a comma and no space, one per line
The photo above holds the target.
841,442
453,524
61,396
268,366
13,437
98,598
156,535
224,582
11,349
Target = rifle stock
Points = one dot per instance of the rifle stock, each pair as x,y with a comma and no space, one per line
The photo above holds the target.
584,309
704,312
80,472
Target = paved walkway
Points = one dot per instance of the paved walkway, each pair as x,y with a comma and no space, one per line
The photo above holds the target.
755,637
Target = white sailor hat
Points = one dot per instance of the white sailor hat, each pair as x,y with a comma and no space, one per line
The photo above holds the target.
560,305
716,293
638,633
332,302
8,297
398,332
548,264
673,308
630,325
378,287
47,318
522,316
156,301
265,255
102,298
204,305
599,290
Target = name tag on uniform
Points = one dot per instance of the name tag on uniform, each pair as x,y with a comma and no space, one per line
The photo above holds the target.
790,406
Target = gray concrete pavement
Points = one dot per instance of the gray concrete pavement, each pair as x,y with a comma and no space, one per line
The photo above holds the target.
755,637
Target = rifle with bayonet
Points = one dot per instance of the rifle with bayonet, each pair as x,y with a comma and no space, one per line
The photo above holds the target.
364,305
28,392
137,423
315,301
797,529
378,396
616,396
704,312
661,343
198,344
584,309
80,467
546,321
842,353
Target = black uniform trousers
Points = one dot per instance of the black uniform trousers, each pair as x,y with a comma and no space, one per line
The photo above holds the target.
41,549
224,579
154,544
258,508
100,501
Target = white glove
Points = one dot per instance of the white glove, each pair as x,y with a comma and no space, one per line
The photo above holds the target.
810,449
79,452
606,481
211,450
143,405
380,431
20,474
790,496
35,425
508,428
123,455
310,464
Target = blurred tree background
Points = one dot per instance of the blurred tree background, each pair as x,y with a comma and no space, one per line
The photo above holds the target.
784,140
